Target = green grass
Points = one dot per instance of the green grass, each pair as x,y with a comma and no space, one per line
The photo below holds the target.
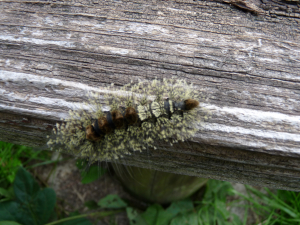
279,208
13,156
214,209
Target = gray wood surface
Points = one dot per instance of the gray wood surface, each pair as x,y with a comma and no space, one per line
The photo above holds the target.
244,60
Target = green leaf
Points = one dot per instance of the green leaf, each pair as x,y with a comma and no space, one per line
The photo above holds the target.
35,212
151,214
112,202
9,223
7,194
134,217
217,189
18,212
131,213
165,216
25,187
89,173
9,210
43,205
180,206
93,174
185,219
31,206
220,206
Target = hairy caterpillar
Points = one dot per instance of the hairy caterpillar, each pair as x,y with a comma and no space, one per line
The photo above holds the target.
140,115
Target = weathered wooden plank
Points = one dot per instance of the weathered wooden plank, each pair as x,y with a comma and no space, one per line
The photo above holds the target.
247,65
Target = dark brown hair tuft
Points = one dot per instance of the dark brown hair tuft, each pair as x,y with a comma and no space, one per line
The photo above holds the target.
191,104
117,118
91,134
104,125
131,115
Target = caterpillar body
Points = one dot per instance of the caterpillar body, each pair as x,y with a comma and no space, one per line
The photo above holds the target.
140,116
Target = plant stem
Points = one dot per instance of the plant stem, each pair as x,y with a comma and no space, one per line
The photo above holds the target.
101,214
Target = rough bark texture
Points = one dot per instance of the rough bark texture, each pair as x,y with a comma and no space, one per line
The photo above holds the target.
242,55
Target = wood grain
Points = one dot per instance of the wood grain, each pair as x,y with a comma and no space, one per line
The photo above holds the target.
247,65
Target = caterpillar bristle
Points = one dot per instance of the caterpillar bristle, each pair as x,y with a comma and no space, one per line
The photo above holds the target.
140,116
